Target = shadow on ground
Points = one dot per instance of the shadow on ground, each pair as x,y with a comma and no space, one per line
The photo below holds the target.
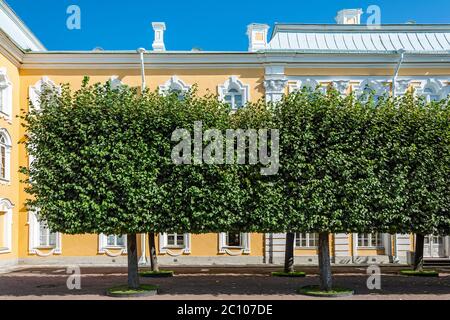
216,282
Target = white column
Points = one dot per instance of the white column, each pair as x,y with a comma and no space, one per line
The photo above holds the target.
274,83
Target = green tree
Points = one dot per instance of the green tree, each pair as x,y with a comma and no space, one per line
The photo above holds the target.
92,169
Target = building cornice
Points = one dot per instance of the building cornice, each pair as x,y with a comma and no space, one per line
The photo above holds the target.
227,60
11,50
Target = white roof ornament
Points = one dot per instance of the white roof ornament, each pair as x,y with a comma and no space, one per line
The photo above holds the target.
158,42
257,36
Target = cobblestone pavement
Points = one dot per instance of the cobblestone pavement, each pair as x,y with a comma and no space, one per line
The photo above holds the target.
220,283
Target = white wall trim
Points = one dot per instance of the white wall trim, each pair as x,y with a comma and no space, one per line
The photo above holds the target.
103,247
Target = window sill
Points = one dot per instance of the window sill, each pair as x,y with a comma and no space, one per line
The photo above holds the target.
232,247
174,247
306,248
45,247
370,248
114,247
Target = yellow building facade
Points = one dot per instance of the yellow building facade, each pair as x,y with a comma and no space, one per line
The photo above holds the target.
391,59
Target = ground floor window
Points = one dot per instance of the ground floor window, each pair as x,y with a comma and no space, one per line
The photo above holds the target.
174,243
114,240
233,239
175,240
306,240
46,237
370,240
5,226
41,237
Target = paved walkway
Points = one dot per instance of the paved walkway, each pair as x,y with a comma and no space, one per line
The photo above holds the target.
218,283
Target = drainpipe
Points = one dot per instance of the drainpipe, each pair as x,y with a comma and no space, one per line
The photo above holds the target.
397,69
141,52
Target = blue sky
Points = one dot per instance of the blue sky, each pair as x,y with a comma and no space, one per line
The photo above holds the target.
210,25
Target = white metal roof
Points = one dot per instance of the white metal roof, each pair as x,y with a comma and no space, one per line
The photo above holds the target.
359,38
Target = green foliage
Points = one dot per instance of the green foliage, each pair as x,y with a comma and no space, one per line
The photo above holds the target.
423,273
156,274
354,166
315,291
102,164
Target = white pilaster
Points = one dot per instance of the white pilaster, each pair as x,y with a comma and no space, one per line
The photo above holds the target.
158,42
275,83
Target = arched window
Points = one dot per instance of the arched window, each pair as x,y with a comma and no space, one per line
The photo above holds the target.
5,95
234,92
174,86
6,220
432,90
5,155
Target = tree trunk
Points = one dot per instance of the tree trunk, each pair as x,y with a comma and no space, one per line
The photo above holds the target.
133,276
289,253
152,248
418,252
326,280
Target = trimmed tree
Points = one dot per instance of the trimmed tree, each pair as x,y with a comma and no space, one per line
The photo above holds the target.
92,168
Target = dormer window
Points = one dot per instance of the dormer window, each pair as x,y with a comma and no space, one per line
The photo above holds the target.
234,93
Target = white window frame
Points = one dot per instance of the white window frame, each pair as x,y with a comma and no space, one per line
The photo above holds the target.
6,95
7,145
174,84
6,207
112,251
165,248
34,246
371,244
437,89
234,83
309,238
34,92
244,248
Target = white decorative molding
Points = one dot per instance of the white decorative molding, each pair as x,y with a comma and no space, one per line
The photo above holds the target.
33,241
6,95
6,144
275,83
379,88
234,83
402,86
111,251
349,16
341,86
234,251
433,89
34,92
164,248
6,208
174,84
